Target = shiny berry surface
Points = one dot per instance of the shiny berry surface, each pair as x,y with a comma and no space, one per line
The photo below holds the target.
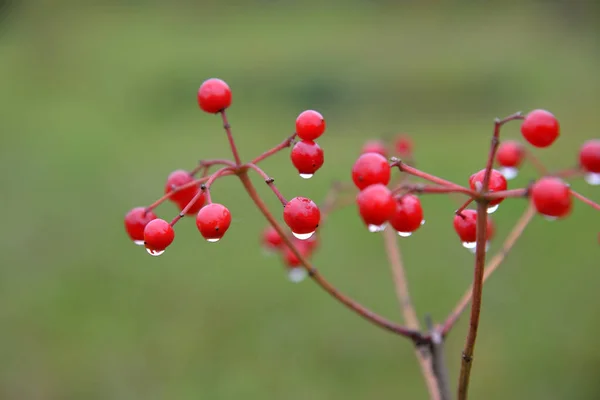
370,169
497,183
551,197
307,157
135,222
213,220
589,156
270,238
465,226
214,96
158,235
540,128
177,179
510,154
376,204
408,214
302,215
310,125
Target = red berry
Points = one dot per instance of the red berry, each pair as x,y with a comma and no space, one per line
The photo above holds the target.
135,222
179,178
214,96
212,221
307,157
158,235
408,215
374,146
403,145
369,169
510,154
376,204
497,183
540,128
310,125
302,216
589,156
465,226
271,238
551,196
198,204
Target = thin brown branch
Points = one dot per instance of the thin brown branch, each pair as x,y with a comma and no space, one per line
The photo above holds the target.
269,181
587,201
408,311
286,143
492,266
438,360
227,128
367,314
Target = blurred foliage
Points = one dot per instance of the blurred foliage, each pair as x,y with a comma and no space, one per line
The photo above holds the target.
98,106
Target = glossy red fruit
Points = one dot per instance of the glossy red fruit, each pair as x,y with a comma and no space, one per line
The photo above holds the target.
198,204
408,215
465,226
376,204
214,96
212,221
551,196
302,216
307,157
510,154
271,239
177,179
370,169
589,156
310,125
374,146
158,235
135,222
540,128
497,183
403,146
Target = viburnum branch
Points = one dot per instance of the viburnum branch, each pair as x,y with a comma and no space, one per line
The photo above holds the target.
367,314
269,181
585,200
494,146
166,196
227,128
492,266
463,207
438,360
420,188
503,194
286,143
424,175
408,311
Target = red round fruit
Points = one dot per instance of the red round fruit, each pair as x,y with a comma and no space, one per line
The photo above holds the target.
497,183
307,157
271,238
310,125
551,196
179,178
403,145
198,204
510,154
589,156
212,221
540,128
302,215
158,235
374,146
370,169
214,96
465,226
135,222
376,204
408,215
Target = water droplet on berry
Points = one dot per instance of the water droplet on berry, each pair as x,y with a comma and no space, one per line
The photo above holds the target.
138,242
376,228
303,236
492,209
297,274
404,234
213,240
509,172
592,178
154,253
469,245
306,176
550,218
423,222
473,249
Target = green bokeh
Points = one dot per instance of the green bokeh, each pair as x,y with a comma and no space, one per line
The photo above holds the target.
98,106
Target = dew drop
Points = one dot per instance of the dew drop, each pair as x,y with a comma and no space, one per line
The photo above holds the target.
376,228
493,209
469,245
138,242
213,240
592,178
473,247
154,253
422,222
306,176
303,236
509,172
550,218
297,274
404,234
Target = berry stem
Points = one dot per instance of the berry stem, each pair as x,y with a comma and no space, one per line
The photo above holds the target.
369,315
185,209
587,201
227,128
286,143
165,197
463,207
204,165
424,175
503,194
477,291
536,163
269,181
408,310
493,264
428,189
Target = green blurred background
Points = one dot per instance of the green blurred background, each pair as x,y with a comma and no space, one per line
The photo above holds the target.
98,107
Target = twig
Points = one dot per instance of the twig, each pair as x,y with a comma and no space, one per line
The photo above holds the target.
227,128
438,360
286,143
587,201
